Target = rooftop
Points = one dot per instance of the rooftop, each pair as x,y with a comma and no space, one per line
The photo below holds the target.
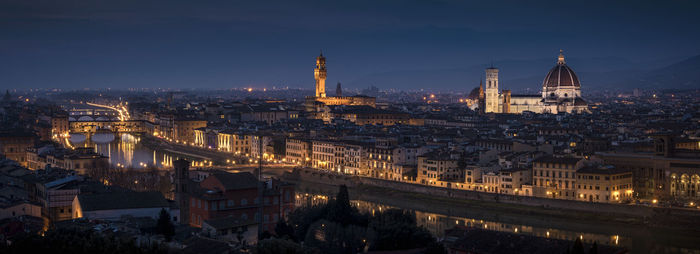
122,200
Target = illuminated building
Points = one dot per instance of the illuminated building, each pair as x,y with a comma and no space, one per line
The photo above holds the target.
14,145
59,125
233,142
663,171
561,92
323,154
237,195
604,184
298,151
317,102
363,115
438,168
554,177
512,180
183,129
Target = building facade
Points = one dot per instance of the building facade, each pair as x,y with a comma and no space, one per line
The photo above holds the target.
555,177
319,100
604,184
561,93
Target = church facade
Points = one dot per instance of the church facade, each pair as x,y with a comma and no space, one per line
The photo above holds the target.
561,93
318,102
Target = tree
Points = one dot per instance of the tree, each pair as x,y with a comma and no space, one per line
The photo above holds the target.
164,226
302,218
332,237
284,230
397,230
265,235
339,210
578,247
594,248
435,248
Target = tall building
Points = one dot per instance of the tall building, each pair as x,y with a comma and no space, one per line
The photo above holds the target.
663,171
320,76
318,102
561,93
182,188
491,90
240,196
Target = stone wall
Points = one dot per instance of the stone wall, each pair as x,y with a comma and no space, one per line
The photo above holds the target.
638,211
603,208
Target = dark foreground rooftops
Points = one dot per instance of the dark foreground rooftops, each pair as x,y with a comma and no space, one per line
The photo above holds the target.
122,200
236,181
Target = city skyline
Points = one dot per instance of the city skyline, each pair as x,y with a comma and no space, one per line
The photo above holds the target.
385,126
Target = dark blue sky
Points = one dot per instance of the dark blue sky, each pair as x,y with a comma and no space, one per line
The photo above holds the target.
223,44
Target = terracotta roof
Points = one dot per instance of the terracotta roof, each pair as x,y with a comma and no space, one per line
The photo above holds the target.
122,200
561,75
236,181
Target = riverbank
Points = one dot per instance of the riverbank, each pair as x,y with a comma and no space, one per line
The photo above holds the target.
216,157
431,197
638,234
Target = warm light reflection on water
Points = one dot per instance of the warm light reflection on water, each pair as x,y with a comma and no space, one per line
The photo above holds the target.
438,223
127,151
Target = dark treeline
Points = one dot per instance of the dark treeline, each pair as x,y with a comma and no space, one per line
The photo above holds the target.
337,227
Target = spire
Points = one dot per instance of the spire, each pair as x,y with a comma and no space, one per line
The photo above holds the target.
338,91
321,55
481,89
560,60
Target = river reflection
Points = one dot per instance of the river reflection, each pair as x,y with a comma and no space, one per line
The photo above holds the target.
127,151
638,239
438,223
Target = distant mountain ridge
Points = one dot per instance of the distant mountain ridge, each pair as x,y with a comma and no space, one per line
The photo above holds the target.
682,75
525,76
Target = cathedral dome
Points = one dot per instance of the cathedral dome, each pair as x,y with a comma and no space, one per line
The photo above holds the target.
561,75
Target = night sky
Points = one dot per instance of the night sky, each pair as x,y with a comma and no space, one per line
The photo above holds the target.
225,44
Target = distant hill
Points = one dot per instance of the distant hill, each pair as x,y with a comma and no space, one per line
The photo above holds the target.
525,76
682,75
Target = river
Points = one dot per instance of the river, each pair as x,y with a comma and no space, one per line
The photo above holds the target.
436,217
127,151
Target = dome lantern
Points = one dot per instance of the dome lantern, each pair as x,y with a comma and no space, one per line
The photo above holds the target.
560,60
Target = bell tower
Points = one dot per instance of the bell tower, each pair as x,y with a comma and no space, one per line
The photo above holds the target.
491,90
320,75
182,189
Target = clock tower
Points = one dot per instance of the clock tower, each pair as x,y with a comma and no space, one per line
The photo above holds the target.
320,76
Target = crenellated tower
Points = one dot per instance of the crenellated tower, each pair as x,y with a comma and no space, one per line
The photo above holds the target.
320,76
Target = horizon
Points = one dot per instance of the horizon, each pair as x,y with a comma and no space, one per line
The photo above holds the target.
228,44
